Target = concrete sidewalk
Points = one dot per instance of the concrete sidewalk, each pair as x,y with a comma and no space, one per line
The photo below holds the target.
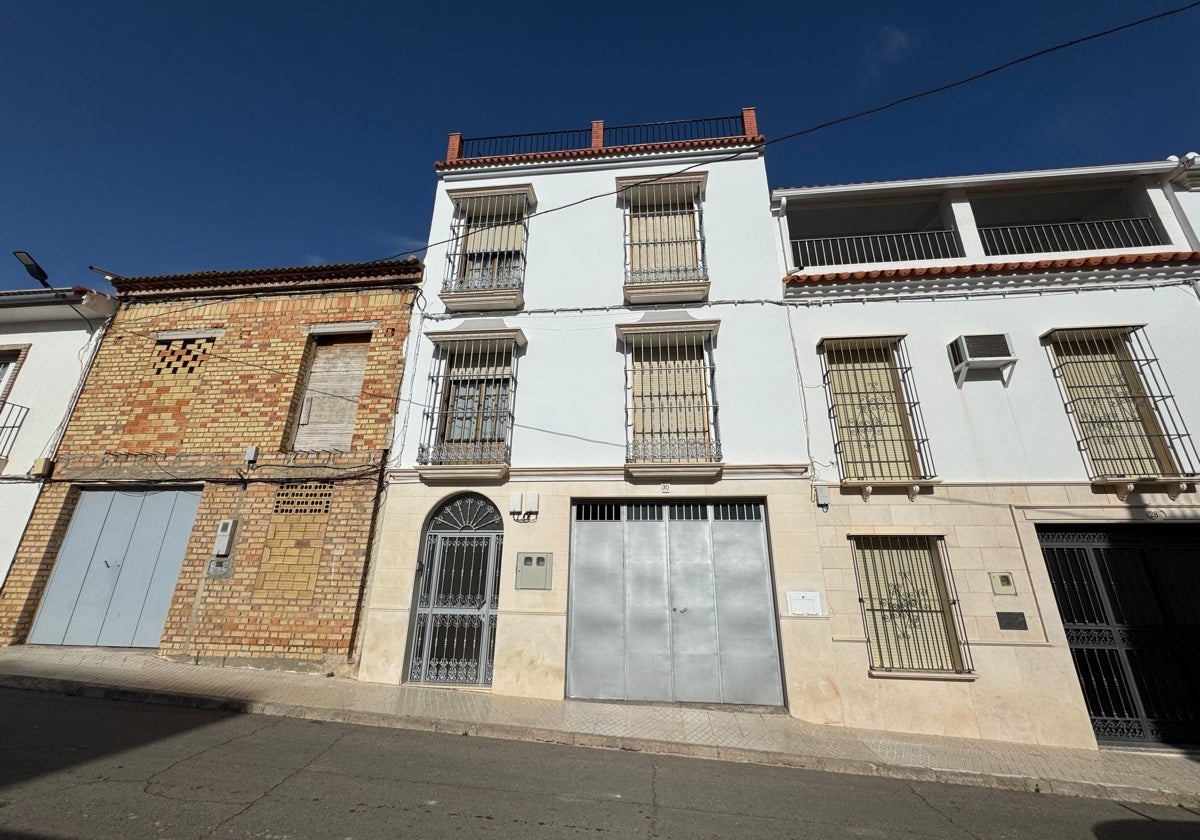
1167,778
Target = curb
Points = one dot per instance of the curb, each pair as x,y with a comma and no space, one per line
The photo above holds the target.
516,732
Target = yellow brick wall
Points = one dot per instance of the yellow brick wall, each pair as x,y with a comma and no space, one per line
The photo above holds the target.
192,429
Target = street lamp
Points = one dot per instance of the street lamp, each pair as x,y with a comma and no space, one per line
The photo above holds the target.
35,271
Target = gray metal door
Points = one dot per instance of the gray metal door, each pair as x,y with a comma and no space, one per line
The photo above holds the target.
116,571
458,588
672,602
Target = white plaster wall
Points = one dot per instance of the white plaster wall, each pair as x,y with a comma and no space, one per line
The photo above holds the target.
570,403
1189,203
45,383
986,432
47,380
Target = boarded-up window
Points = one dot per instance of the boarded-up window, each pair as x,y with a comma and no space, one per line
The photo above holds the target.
330,402
1115,415
910,610
872,410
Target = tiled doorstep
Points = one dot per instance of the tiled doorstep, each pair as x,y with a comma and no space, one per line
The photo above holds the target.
1159,778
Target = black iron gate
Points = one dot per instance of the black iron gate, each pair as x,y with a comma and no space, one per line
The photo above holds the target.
1130,603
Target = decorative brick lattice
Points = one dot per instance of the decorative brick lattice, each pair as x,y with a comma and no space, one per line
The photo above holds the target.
182,355
311,498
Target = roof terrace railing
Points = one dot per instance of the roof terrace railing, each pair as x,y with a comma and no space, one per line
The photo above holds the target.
600,137
1058,237
11,418
675,131
877,248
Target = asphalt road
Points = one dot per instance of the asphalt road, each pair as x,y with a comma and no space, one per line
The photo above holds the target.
72,767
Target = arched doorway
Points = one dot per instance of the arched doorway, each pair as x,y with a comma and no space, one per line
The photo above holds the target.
458,582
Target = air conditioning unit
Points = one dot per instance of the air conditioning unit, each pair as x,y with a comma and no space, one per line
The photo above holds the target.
980,352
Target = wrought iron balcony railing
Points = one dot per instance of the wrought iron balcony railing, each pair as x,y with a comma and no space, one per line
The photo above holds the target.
673,450
469,452
11,418
1057,237
877,248
508,273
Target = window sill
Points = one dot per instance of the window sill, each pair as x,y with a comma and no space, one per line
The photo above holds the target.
1172,486
681,291
483,300
911,486
695,471
942,676
434,473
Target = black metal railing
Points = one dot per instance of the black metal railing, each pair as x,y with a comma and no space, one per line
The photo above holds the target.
877,247
11,418
674,131
1056,237
612,136
526,144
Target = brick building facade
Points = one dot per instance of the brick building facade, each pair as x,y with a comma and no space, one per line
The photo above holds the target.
304,365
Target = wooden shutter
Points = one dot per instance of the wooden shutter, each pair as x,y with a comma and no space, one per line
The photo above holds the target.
874,435
906,603
669,392
1116,420
331,395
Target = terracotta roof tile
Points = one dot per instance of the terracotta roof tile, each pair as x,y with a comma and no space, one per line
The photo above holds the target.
607,151
982,269
380,272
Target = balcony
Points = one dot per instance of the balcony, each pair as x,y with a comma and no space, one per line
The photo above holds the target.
12,416
882,247
1062,237
958,222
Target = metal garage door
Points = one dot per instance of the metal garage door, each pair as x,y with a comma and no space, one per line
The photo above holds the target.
1128,596
672,602
115,574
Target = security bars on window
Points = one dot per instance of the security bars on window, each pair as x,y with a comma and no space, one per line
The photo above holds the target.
664,234
1125,418
671,406
488,248
468,419
909,605
878,431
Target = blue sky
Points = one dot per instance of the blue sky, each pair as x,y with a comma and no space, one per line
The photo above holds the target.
161,137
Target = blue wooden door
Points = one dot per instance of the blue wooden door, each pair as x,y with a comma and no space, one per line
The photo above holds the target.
116,571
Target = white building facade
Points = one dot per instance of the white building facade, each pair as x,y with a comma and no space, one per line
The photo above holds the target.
1002,400
47,339
599,473
938,480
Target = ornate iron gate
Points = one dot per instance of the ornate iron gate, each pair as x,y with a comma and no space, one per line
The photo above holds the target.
458,583
1128,598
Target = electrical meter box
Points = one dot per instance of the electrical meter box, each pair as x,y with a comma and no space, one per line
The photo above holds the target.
534,569
224,537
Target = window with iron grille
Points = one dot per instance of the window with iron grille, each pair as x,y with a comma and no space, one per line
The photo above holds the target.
910,609
468,418
1125,417
671,406
488,240
873,409
664,231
